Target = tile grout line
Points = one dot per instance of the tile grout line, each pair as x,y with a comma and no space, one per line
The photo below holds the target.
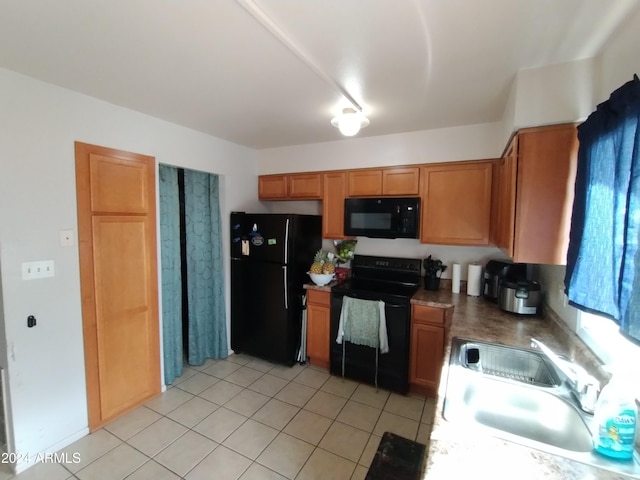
271,396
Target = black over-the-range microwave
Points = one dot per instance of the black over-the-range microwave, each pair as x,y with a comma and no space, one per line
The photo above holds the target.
386,217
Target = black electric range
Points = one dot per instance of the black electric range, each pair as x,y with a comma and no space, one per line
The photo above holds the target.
394,281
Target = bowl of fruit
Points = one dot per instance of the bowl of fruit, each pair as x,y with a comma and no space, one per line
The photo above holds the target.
323,268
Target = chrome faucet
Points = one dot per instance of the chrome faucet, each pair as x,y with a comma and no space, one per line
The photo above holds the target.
585,387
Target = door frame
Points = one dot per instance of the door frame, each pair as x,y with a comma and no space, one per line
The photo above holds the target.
87,267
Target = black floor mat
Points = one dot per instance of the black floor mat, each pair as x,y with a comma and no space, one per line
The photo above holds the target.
397,458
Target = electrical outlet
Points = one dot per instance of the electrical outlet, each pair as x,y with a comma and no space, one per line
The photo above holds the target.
41,269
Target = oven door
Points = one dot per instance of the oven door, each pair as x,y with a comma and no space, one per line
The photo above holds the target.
360,361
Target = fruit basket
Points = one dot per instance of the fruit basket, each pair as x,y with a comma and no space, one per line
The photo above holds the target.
323,267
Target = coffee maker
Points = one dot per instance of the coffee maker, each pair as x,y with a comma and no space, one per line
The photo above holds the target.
495,271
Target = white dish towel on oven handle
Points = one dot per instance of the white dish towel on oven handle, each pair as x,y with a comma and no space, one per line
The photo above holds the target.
363,322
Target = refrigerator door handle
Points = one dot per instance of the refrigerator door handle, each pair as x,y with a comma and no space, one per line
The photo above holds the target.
286,242
286,298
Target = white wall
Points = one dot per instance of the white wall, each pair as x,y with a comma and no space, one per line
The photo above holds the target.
38,126
554,94
619,58
470,142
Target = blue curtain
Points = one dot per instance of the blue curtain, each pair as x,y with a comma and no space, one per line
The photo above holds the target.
207,325
205,279
171,273
603,264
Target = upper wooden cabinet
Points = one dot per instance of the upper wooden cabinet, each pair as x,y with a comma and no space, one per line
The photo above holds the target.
272,187
503,199
297,186
334,193
363,183
456,203
305,186
394,181
534,196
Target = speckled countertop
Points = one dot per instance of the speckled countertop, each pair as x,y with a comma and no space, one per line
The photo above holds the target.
455,452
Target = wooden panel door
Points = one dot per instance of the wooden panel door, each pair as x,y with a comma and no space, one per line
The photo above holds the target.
334,191
118,275
456,203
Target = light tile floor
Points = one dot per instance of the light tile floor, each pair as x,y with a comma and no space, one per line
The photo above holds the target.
244,418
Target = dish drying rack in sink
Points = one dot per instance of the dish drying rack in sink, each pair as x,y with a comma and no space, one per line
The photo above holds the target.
521,365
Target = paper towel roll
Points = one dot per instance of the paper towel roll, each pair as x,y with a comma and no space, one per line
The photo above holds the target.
474,280
455,278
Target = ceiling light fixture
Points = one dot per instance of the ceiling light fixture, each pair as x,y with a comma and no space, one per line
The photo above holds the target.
349,122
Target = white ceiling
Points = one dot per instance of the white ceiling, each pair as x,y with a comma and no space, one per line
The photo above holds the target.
212,66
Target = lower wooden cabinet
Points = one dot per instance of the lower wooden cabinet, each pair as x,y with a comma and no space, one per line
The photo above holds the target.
429,327
318,327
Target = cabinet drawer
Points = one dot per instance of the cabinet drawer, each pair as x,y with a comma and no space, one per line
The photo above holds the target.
430,315
319,297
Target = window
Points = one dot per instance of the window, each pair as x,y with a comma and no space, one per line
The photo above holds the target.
603,259
603,337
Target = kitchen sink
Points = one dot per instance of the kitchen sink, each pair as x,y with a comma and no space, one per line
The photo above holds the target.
525,366
517,395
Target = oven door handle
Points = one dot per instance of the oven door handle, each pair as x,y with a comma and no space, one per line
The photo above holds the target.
393,305
386,304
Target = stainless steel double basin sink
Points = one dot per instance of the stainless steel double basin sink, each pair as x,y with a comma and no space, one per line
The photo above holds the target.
517,395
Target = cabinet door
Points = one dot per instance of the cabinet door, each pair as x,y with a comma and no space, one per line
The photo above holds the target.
401,181
318,327
427,352
305,186
504,199
456,203
547,160
333,195
272,187
363,183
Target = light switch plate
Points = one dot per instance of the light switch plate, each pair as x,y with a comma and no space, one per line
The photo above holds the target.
41,269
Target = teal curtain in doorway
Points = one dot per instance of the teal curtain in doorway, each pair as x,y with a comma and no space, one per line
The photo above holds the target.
170,272
207,325
205,279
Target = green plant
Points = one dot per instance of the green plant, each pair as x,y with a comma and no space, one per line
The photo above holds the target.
433,268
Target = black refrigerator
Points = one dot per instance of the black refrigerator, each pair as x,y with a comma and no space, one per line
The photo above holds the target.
270,257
